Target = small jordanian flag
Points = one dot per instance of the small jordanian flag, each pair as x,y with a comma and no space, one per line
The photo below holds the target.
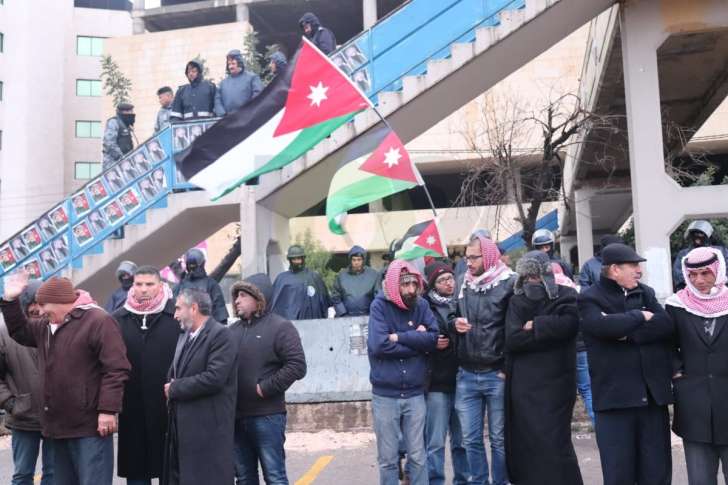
299,108
421,240
376,165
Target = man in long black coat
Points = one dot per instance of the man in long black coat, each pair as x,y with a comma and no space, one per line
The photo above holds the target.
150,333
202,389
541,327
628,336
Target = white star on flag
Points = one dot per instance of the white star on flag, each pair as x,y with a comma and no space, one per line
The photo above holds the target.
391,158
431,240
318,94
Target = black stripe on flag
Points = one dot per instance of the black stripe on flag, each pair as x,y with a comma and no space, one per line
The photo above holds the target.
234,128
364,145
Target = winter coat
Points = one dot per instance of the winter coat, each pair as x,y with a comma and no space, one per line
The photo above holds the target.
353,293
590,272
678,279
202,408
116,300
300,295
540,383
443,363
566,267
83,367
19,379
235,92
702,391
481,349
162,120
399,369
194,100
143,419
203,282
322,37
270,354
629,358
117,141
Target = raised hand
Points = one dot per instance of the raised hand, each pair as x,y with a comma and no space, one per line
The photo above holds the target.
15,284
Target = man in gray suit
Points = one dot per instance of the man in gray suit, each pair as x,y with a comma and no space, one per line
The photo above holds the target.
201,393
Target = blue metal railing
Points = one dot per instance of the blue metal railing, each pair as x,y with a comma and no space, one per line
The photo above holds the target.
399,45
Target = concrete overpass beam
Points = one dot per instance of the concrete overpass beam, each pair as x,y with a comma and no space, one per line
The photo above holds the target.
584,229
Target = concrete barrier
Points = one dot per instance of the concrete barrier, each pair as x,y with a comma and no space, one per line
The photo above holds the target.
336,356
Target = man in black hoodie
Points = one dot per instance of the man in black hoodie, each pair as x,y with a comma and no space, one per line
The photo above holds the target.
196,277
322,37
196,99
270,360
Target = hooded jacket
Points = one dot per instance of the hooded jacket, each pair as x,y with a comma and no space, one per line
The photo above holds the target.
399,369
270,355
198,279
353,292
279,59
236,90
322,37
194,100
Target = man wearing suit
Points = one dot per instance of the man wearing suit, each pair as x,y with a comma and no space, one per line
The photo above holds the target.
201,393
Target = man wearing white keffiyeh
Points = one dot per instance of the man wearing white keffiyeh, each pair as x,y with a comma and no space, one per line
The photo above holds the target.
150,333
700,313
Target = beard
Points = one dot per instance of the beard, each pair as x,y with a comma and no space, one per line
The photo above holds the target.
410,300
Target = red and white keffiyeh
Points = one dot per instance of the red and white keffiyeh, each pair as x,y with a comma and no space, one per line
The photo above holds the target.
392,280
712,305
495,269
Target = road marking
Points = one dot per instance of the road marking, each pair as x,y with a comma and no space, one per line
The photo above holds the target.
313,472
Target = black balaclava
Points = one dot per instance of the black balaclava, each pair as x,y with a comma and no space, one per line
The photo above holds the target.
297,268
195,264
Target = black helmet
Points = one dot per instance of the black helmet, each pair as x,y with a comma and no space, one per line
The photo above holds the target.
194,257
296,251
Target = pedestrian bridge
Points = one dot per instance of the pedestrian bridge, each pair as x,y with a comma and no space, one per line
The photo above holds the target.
418,65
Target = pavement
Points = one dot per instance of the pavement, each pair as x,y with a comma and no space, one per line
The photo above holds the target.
330,458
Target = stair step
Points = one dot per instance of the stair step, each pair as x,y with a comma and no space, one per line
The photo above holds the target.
510,21
485,38
438,69
412,86
535,7
462,53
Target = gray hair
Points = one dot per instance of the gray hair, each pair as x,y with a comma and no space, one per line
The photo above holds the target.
197,297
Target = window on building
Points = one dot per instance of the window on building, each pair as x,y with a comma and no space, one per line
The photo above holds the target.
88,129
88,87
2,42
86,170
1,90
1,139
89,46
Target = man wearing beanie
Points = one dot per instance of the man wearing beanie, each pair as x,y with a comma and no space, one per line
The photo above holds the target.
83,365
441,415
629,339
270,360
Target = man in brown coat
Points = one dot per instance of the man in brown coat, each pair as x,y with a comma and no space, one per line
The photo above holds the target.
83,366
21,396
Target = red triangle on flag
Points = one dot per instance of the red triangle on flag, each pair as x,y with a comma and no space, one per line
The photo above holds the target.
430,239
319,91
391,160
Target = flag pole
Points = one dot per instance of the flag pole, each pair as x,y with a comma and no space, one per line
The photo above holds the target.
424,185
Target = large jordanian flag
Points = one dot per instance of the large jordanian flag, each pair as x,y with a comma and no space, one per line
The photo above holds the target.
299,108
421,240
376,165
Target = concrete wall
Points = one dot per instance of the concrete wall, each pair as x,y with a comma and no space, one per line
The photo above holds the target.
39,69
157,59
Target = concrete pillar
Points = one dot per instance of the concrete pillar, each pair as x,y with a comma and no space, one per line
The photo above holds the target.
584,231
377,206
137,19
566,244
265,237
369,8
242,12
642,33
249,250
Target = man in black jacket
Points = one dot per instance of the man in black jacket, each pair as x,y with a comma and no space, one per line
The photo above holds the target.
270,360
322,37
196,277
479,334
441,415
628,337
355,286
194,100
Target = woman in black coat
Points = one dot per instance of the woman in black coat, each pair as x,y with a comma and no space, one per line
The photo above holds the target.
541,327
700,381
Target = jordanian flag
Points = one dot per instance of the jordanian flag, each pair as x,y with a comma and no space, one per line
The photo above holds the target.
299,108
421,240
378,166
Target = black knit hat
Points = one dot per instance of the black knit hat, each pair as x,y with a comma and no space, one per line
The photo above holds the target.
434,270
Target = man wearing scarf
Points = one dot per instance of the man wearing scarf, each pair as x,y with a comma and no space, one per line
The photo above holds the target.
402,331
150,333
628,336
479,333
541,327
700,313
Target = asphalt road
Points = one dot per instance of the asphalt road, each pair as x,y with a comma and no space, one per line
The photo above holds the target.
328,458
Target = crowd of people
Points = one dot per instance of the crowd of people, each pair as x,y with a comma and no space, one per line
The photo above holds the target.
195,397
200,98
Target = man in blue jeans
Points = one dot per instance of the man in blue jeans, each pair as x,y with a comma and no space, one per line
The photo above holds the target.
270,360
479,332
402,331
20,397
